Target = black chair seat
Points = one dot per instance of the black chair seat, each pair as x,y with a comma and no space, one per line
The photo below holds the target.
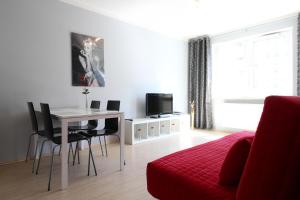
55,130
77,128
95,133
71,138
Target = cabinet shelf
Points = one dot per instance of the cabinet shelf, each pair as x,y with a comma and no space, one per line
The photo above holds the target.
146,129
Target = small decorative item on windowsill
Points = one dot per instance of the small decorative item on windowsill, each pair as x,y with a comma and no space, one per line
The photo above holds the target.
192,104
86,92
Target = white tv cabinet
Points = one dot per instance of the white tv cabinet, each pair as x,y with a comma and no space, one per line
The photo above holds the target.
145,129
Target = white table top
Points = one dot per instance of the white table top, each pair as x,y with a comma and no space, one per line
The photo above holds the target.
80,112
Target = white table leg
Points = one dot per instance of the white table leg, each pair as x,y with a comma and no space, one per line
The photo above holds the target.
122,137
64,155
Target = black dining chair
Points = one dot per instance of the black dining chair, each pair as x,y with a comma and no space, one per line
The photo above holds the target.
35,131
92,124
110,127
49,133
42,139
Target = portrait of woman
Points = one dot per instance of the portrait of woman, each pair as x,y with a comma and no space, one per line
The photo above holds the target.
87,61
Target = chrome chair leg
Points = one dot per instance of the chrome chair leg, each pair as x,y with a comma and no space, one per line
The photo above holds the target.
70,150
40,156
101,145
29,145
91,155
59,150
105,146
76,153
51,167
78,159
35,152
89,161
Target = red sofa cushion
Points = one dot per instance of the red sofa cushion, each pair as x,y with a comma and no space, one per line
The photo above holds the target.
233,165
192,173
272,171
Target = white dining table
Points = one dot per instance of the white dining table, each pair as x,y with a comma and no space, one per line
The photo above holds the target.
67,115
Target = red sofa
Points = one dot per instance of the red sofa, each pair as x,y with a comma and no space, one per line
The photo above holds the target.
271,171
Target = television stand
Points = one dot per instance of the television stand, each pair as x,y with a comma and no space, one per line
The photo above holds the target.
146,129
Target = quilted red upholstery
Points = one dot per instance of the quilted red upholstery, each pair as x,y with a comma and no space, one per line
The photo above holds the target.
234,163
192,173
272,171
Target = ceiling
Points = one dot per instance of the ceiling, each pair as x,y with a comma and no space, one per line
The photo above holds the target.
189,18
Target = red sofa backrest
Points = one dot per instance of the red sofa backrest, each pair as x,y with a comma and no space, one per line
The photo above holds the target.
272,170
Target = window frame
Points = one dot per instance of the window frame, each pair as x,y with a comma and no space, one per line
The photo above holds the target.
256,31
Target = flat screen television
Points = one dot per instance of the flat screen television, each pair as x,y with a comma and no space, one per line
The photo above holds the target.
159,104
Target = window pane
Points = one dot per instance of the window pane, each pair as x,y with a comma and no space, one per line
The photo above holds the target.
253,67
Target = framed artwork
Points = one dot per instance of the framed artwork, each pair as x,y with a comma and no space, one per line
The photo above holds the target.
87,60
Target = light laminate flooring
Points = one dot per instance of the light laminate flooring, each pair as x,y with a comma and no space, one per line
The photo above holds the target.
17,181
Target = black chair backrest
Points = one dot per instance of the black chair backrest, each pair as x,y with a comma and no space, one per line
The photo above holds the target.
112,123
48,125
34,123
94,123
95,104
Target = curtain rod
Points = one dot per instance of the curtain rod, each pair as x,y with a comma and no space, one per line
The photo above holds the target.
245,29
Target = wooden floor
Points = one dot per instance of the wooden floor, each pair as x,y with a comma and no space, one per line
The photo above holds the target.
17,181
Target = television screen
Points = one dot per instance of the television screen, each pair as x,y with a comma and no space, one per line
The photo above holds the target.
158,103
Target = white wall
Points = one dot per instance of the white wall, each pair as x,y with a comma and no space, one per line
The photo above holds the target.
35,65
233,116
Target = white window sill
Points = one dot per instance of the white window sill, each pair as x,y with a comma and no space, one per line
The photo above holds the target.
244,101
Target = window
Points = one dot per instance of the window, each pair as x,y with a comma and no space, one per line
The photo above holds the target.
253,67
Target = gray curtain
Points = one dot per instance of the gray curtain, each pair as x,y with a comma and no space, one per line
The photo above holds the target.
298,52
199,90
